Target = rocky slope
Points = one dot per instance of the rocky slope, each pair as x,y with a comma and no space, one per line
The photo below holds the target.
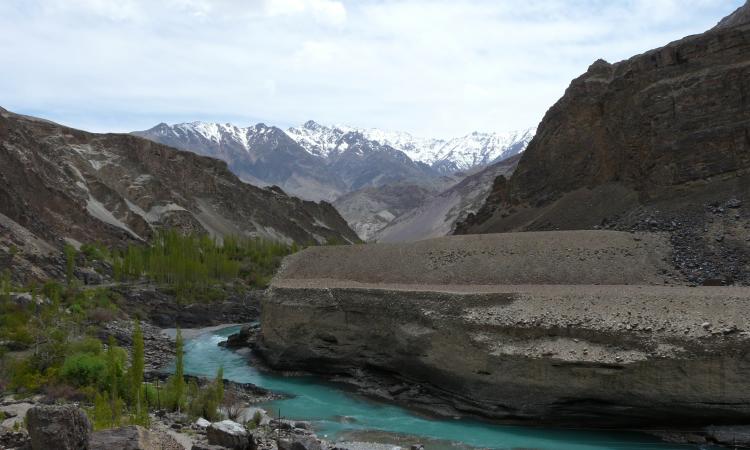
259,154
369,210
659,141
593,327
438,214
57,183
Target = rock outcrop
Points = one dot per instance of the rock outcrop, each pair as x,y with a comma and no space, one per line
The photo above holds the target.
229,434
573,327
437,216
665,133
58,427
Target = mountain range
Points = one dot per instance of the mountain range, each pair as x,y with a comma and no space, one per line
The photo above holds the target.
319,162
372,176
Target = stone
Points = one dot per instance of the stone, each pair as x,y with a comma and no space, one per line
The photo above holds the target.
299,443
58,427
230,434
133,438
202,423
734,203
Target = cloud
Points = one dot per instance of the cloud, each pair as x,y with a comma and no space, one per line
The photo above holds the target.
325,10
433,67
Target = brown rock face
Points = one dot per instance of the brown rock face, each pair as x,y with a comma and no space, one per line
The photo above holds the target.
57,182
668,130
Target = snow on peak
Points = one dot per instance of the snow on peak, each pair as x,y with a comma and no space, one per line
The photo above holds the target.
446,155
460,153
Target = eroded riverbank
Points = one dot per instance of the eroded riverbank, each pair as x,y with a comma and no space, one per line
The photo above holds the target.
343,416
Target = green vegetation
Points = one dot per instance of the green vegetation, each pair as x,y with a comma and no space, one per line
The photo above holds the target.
49,348
47,331
174,392
205,402
194,264
70,262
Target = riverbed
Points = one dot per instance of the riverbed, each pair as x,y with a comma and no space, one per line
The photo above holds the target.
342,416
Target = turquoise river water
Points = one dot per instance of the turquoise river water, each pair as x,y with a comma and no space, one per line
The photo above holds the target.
339,414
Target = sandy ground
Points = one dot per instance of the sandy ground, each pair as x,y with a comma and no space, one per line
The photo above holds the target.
562,257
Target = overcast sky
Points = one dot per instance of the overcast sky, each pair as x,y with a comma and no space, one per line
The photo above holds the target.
430,67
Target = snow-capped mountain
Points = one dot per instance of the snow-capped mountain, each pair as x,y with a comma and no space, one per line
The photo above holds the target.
318,162
446,156
259,154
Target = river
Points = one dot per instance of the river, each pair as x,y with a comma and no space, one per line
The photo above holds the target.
340,415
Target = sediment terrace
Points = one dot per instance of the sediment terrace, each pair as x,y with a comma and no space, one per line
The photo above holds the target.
584,327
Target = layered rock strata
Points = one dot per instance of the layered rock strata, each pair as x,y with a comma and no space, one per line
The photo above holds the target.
573,327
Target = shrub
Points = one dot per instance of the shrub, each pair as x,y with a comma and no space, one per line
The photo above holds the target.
85,369
255,421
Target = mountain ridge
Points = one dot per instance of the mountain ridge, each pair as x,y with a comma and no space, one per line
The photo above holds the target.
659,142
62,184
319,162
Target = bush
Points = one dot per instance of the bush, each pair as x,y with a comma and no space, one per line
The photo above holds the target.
25,377
85,369
255,421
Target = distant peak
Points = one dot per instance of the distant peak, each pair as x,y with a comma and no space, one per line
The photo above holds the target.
740,17
311,125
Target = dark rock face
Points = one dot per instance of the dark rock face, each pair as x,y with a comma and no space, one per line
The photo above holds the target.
161,309
59,182
665,132
58,427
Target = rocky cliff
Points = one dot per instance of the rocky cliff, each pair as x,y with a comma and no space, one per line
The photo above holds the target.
57,182
438,214
575,327
659,141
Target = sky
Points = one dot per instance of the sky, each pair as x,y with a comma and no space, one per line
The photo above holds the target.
435,68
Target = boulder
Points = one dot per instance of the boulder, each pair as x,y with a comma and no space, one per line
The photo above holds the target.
202,423
230,434
133,438
299,443
58,427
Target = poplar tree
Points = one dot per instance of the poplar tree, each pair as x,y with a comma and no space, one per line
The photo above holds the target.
137,367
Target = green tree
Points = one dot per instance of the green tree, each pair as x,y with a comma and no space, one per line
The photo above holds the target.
176,393
113,370
136,371
70,262
219,387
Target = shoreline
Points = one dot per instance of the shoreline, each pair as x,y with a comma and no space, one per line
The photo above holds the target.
192,333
